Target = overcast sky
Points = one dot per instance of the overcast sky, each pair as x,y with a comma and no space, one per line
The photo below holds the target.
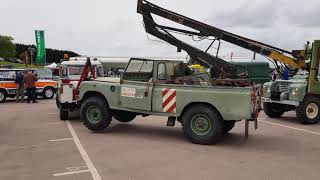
113,28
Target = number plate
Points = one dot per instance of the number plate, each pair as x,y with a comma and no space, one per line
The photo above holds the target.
265,99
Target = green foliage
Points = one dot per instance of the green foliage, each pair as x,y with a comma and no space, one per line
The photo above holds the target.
7,47
52,55
17,65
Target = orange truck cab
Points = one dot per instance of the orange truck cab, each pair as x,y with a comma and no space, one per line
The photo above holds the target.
44,87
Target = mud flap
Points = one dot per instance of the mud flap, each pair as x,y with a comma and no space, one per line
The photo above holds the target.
246,130
171,121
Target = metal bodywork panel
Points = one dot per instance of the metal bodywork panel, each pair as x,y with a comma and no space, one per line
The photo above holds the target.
313,83
143,90
232,103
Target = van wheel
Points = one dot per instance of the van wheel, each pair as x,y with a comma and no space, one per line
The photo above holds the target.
202,125
95,114
3,96
308,111
272,110
64,114
48,93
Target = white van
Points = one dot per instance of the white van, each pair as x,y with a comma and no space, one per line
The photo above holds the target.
70,73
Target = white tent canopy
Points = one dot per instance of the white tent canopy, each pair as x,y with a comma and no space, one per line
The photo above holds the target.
51,66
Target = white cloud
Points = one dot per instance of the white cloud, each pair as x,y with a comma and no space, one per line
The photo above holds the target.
105,27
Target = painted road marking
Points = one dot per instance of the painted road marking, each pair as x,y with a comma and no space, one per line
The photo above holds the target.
65,139
56,123
71,172
76,168
290,127
94,173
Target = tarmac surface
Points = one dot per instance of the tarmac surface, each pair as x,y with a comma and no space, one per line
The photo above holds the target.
36,145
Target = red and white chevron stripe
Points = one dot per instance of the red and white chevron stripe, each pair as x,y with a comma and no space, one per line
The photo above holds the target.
169,100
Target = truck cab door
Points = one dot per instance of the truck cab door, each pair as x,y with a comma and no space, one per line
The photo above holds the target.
136,86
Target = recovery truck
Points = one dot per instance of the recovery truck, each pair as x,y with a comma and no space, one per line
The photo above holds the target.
280,96
207,108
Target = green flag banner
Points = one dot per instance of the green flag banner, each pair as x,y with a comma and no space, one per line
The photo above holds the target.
41,50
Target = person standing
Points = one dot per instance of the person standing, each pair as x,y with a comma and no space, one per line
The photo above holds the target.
20,87
29,81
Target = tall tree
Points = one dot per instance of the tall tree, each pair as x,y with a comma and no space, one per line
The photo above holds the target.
7,47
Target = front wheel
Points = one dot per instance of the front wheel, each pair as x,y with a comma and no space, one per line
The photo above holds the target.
95,114
3,96
202,125
272,110
308,111
124,117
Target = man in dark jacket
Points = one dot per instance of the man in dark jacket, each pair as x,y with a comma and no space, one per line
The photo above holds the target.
20,88
29,82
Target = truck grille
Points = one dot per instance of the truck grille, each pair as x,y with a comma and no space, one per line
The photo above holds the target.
283,86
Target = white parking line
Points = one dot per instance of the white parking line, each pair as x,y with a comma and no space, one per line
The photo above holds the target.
71,172
94,173
56,123
65,139
290,127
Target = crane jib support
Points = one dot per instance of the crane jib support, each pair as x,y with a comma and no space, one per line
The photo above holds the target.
146,9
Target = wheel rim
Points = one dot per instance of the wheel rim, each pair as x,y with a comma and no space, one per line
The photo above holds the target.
312,110
49,93
200,124
93,114
1,96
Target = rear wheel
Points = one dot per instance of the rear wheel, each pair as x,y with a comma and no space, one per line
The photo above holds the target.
202,125
64,114
272,110
95,114
48,93
227,126
308,112
3,96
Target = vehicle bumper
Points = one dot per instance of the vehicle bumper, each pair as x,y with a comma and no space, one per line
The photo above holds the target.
286,102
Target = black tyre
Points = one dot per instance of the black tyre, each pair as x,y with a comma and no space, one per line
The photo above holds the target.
124,117
227,126
48,93
308,111
64,114
202,125
3,96
273,110
95,114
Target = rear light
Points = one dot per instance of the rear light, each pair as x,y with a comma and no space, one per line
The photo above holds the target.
261,91
65,81
254,105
